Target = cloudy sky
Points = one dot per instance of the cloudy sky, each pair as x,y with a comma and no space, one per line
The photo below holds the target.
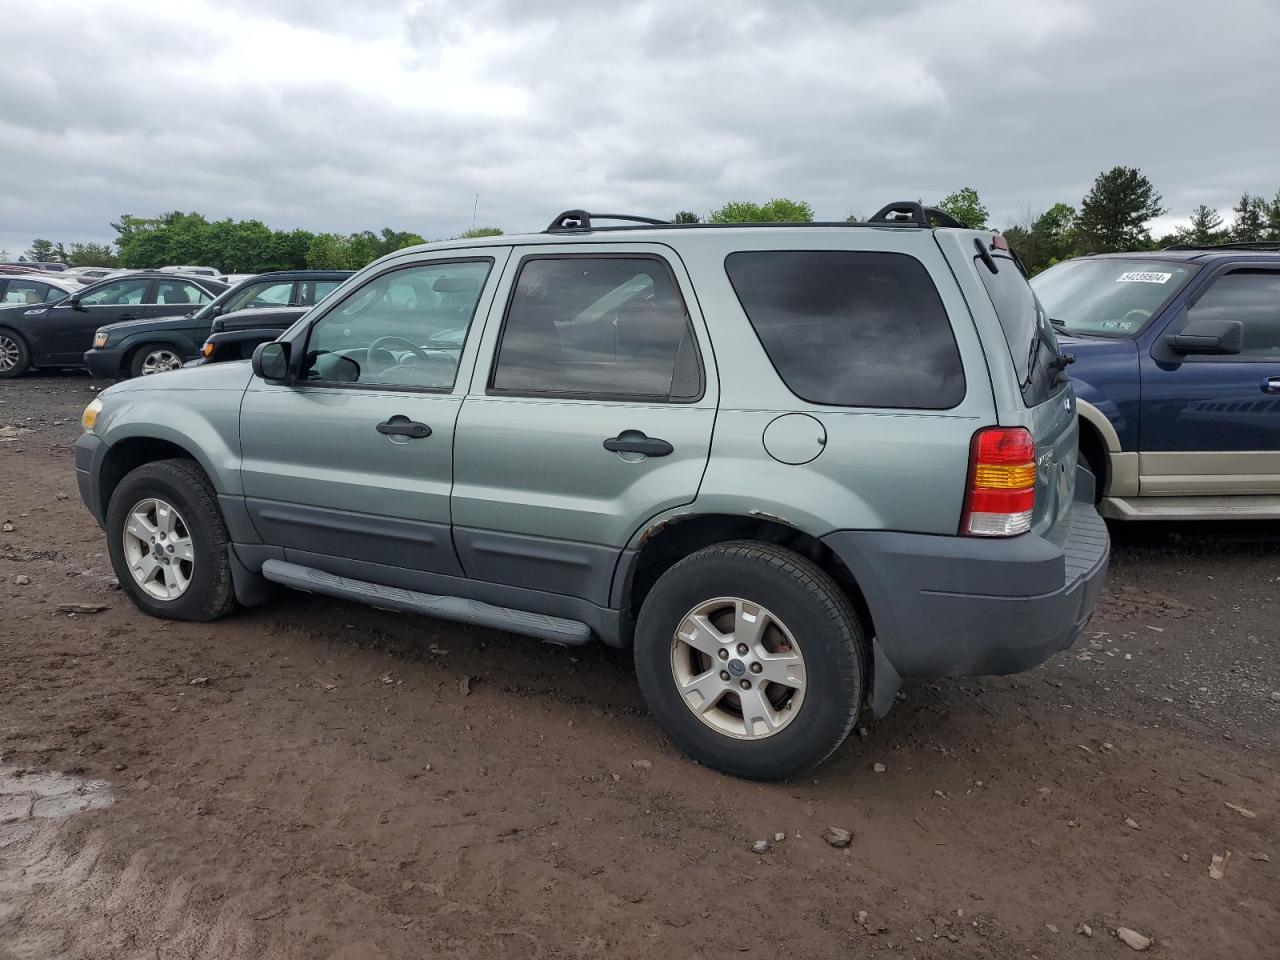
352,114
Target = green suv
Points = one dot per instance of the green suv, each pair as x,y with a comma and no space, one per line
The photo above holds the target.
789,465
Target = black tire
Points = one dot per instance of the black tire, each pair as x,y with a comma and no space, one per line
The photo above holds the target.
819,616
209,594
22,363
138,358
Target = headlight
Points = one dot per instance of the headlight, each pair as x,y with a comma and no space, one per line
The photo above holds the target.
100,339
90,415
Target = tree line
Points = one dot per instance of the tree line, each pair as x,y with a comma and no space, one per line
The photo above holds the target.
233,246
1113,216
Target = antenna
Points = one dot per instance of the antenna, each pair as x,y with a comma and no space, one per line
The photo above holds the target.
473,211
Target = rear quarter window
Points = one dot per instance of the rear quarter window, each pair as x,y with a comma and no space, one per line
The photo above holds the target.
1033,346
851,328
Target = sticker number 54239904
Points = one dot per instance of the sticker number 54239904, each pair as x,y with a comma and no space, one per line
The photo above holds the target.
1144,277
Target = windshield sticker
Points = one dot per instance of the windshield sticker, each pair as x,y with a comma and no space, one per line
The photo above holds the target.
1143,277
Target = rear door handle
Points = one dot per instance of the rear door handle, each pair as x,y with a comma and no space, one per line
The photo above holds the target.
634,441
401,426
1271,385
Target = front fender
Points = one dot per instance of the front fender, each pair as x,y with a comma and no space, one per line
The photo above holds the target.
209,430
181,341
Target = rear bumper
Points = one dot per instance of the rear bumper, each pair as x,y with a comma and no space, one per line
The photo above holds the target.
106,363
957,606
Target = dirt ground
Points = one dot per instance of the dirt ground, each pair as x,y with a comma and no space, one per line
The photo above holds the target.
314,779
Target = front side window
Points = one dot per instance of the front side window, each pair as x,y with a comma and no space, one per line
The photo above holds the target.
598,327
1251,297
851,328
403,328
119,293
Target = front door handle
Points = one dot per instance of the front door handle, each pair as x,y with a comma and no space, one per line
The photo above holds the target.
402,426
634,441
1271,385
124,316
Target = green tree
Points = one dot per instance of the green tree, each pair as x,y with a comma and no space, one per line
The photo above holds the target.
1042,240
1273,218
1115,212
778,210
475,233
91,255
686,216
1251,218
965,206
42,250
1205,227
328,251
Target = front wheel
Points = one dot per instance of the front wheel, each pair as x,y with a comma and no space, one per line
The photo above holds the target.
752,659
169,544
154,358
15,355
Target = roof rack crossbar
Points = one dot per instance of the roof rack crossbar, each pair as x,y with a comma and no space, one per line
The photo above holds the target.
1226,245
581,220
917,214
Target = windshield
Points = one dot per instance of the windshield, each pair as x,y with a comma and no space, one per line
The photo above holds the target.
1109,297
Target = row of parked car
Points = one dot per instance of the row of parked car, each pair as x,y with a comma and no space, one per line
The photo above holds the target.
147,322
789,466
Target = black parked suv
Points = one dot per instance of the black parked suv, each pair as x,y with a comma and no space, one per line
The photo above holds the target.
158,343
57,334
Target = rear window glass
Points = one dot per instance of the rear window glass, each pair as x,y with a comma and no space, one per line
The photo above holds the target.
851,328
1033,346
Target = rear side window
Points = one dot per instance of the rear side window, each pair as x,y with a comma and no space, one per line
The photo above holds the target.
1033,346
851,328
598,327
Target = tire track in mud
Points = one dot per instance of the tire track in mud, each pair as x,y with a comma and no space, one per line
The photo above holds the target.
66,890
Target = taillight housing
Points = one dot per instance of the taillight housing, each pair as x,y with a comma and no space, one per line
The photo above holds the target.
1001,496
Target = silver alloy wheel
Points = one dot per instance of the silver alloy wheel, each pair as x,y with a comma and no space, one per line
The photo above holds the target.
158,549
9,352
738,668
160,361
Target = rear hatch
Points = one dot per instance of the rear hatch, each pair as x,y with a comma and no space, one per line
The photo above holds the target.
1050,408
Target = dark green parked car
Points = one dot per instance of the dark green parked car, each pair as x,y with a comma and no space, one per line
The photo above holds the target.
136,348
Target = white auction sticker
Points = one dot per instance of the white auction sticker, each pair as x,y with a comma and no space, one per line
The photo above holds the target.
1141,277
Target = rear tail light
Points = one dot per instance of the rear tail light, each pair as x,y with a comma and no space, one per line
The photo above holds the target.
1002,483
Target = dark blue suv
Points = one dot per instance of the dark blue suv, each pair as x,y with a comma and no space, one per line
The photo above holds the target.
1177,374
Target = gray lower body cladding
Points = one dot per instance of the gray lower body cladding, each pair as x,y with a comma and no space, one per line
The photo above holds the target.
960,606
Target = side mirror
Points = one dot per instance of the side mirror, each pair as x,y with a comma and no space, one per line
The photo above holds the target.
1218,337
75,300
271,361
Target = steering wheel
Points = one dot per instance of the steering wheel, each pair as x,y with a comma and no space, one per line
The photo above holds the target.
1136,315
413,348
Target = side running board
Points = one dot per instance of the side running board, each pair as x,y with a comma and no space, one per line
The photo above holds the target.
551,629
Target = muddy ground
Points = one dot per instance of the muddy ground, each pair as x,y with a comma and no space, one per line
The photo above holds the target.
314,779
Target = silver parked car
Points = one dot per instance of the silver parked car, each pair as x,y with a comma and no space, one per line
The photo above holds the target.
789,465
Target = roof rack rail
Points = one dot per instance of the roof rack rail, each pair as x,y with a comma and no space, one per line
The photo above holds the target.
1226,245
917,215
581,220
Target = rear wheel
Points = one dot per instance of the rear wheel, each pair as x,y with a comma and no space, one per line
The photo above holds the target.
169,544
752,659
15,356
154,358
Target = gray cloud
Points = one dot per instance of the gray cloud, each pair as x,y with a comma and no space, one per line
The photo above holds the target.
341,115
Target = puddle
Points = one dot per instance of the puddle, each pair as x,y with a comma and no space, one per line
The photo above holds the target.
27,795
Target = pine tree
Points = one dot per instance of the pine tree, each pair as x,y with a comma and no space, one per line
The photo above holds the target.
1250,218
1115,212
1205,228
